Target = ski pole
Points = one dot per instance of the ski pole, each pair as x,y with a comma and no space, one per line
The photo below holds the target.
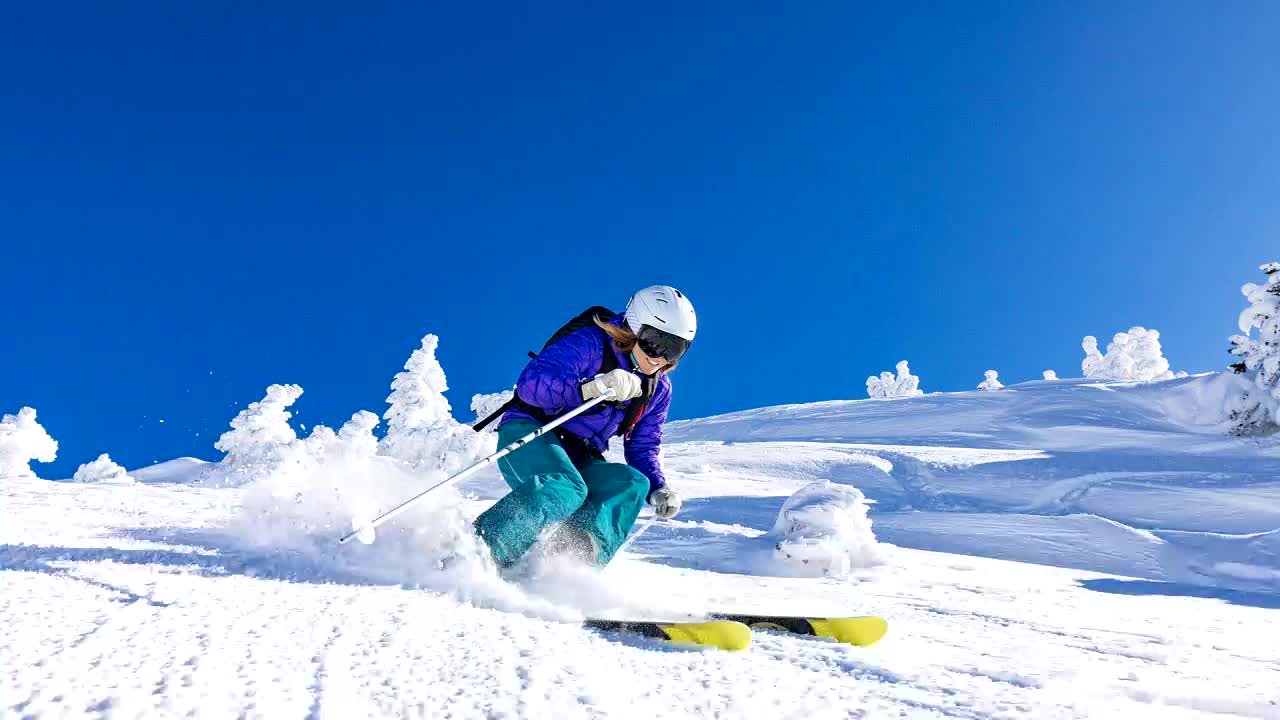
608,395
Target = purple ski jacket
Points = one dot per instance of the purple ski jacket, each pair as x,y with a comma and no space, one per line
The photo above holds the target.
553,382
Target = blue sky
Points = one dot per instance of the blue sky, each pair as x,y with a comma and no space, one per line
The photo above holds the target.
201,200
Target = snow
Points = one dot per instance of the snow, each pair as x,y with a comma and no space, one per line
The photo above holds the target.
23,439
178,470
991,381
104,469
485,404
1135,356
822,530
1253,407
260,439
889,385
421,430
1079,548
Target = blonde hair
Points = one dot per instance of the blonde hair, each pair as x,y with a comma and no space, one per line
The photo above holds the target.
625,340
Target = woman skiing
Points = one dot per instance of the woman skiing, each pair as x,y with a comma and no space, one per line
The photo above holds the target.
562,480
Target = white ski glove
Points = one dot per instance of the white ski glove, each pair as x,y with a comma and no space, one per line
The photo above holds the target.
665,501
625,385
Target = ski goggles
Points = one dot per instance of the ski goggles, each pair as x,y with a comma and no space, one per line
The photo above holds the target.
661,344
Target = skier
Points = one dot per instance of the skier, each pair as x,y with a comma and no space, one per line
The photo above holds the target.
562,480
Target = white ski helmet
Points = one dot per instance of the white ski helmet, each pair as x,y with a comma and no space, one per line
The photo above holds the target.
663,318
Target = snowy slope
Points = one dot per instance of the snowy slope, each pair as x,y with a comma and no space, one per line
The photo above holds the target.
1061,549
1104,477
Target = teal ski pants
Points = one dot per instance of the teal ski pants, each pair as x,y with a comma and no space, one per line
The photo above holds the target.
599,498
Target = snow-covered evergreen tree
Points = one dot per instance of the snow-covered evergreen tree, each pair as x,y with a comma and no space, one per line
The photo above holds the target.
22,440
421,430
1134,356
1258,409
1053,375
104,469
992,381
260,437
904,384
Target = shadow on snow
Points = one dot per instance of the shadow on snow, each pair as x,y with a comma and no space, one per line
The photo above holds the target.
1120,586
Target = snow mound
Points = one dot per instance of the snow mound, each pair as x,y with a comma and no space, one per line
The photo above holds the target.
22,440
183,470
1246,562
102,470
823,531
1204,402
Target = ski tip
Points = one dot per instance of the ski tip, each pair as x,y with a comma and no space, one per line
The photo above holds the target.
722,634
860,631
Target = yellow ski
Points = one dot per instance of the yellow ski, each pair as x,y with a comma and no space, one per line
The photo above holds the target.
723,634
862,630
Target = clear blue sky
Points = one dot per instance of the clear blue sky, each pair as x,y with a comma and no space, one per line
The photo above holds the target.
198,200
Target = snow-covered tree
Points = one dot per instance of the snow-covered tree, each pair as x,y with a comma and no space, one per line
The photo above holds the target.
421,430
904,384
1257,410
1053,375
263,449
484,404
1093,361
104,469
260,436
992,381
353,441
22,440
1134,356
356,434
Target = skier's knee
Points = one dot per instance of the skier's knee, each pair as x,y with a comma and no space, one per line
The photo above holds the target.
575,490
637,482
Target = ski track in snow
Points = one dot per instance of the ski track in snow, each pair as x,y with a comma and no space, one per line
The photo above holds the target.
128,601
